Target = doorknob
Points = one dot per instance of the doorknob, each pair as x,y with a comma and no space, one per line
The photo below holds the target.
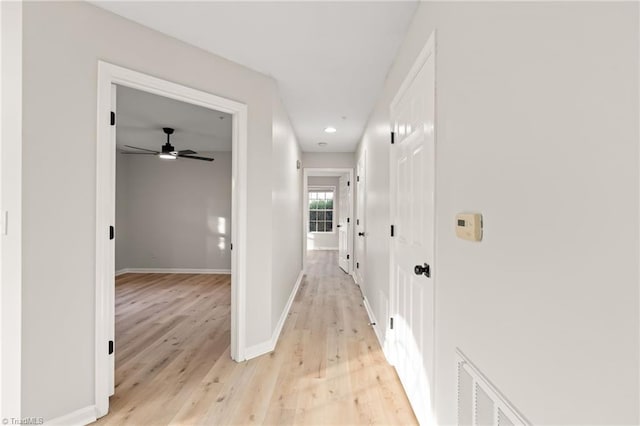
338,226
422,270
361,234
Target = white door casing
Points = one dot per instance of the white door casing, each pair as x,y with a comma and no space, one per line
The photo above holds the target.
111,257
343,227
360,218
413,245
326,171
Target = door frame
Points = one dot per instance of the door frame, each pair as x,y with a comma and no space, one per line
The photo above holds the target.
428,51
109,74
11,209
324,171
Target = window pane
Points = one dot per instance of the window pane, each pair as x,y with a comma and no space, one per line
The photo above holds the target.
313,215
329,215
313,204
313,195
329,204
320,227
321,204
321,215
312,227
330,195
328,226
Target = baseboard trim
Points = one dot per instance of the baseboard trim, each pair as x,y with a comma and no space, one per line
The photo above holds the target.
80,417
268,346
372,320
323,248
172,271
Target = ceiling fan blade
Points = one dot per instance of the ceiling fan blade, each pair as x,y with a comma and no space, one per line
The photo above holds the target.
195,157
186,152
142,149
138,153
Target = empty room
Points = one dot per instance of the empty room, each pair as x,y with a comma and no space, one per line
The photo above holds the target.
172,251
320,212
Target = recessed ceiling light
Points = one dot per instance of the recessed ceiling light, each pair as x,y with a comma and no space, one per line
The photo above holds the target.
322,144
330,129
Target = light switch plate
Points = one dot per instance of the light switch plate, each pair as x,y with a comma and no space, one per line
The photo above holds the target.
469,226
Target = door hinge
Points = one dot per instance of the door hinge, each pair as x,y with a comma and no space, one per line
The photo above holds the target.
358,178
231,246
391,323
357,221
113,118
357,265
348,183
112,232
393,138
110,347
392,230
347,220
347,257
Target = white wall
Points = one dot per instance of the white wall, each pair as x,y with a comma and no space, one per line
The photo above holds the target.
11,202
287,210
173,214
325,240
537,128
328,159
62,44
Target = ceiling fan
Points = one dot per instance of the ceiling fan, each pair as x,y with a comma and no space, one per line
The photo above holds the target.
168,151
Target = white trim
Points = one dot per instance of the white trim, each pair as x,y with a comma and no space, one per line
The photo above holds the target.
374,323
80,417
172,271
270,345
310,171
109,74
323,248
11,85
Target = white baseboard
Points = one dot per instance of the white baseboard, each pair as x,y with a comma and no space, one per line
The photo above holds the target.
270,345
80,417
323,248
372,319
172,271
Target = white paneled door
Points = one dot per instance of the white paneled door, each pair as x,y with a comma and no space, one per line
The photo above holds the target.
412,243
360,225
343,226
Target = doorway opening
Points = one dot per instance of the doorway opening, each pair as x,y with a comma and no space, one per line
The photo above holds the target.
327,221
112,80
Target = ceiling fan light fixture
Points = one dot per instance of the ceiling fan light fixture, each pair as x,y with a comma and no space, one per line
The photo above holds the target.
166,156
330,129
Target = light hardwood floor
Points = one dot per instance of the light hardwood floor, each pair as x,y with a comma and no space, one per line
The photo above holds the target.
173,364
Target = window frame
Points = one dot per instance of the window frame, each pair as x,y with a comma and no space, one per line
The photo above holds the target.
321,188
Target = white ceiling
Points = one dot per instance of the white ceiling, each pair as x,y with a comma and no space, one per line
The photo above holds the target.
330,59
141,117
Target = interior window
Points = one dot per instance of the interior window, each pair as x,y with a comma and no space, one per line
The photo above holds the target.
321,210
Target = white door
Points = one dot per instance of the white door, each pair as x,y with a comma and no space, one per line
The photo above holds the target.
412,246
360,225
343,226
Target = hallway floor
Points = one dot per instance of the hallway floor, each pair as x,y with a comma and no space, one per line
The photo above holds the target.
328,368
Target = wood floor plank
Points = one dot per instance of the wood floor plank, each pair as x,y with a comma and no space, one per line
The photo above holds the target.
173,365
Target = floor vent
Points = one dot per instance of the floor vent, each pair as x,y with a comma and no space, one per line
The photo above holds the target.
479,402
